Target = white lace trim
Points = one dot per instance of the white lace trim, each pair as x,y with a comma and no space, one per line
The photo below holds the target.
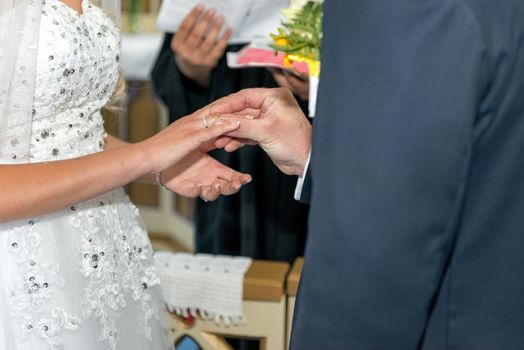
205,285
32,287
116,264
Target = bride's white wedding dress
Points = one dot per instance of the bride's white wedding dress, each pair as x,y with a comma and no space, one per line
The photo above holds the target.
84,277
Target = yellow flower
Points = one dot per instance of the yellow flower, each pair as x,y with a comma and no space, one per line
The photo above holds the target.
287,61
281,42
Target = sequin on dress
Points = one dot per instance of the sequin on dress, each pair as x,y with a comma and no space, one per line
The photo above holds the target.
84,277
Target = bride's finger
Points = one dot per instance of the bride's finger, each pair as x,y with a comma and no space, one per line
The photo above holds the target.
249,128
225,188
250,112
245,179
210,119
233,146
247,113
228,188
193,191
233,184
209,193
236,183
226,173
223,141
197,190
220,127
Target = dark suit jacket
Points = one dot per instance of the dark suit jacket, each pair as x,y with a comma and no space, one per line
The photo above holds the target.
416,234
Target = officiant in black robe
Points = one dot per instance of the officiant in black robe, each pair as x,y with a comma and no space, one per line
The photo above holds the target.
263,221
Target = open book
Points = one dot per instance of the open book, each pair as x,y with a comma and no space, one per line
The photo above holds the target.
250,19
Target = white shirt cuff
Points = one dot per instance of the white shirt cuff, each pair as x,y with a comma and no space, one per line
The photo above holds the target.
300,182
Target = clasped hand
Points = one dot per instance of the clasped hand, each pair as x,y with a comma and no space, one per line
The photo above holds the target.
270,118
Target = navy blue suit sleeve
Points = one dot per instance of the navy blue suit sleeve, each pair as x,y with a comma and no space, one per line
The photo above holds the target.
399,91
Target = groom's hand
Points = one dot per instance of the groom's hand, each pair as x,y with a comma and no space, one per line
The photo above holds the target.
272,119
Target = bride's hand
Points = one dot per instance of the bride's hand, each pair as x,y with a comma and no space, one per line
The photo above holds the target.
200,175
179,153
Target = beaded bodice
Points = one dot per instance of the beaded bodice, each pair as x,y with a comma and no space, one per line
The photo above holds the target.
77,71
83,277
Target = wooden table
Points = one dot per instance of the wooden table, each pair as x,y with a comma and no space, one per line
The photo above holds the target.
264,309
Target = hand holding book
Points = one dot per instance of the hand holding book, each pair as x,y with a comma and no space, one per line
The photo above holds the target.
199,44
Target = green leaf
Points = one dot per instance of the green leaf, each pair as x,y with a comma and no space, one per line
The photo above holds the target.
303,33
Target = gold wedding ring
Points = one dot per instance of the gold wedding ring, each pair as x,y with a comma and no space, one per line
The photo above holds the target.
204,121
214,117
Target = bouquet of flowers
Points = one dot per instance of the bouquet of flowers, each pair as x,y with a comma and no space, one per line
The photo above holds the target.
295,47
300,37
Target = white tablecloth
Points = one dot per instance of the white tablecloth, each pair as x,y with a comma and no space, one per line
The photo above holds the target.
205,285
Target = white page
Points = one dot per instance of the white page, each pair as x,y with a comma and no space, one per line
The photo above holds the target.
263,18
173,12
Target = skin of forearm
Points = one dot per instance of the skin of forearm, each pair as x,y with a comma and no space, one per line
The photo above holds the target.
30,190
114,143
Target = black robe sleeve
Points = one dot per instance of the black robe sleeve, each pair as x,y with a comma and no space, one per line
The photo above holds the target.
180,94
